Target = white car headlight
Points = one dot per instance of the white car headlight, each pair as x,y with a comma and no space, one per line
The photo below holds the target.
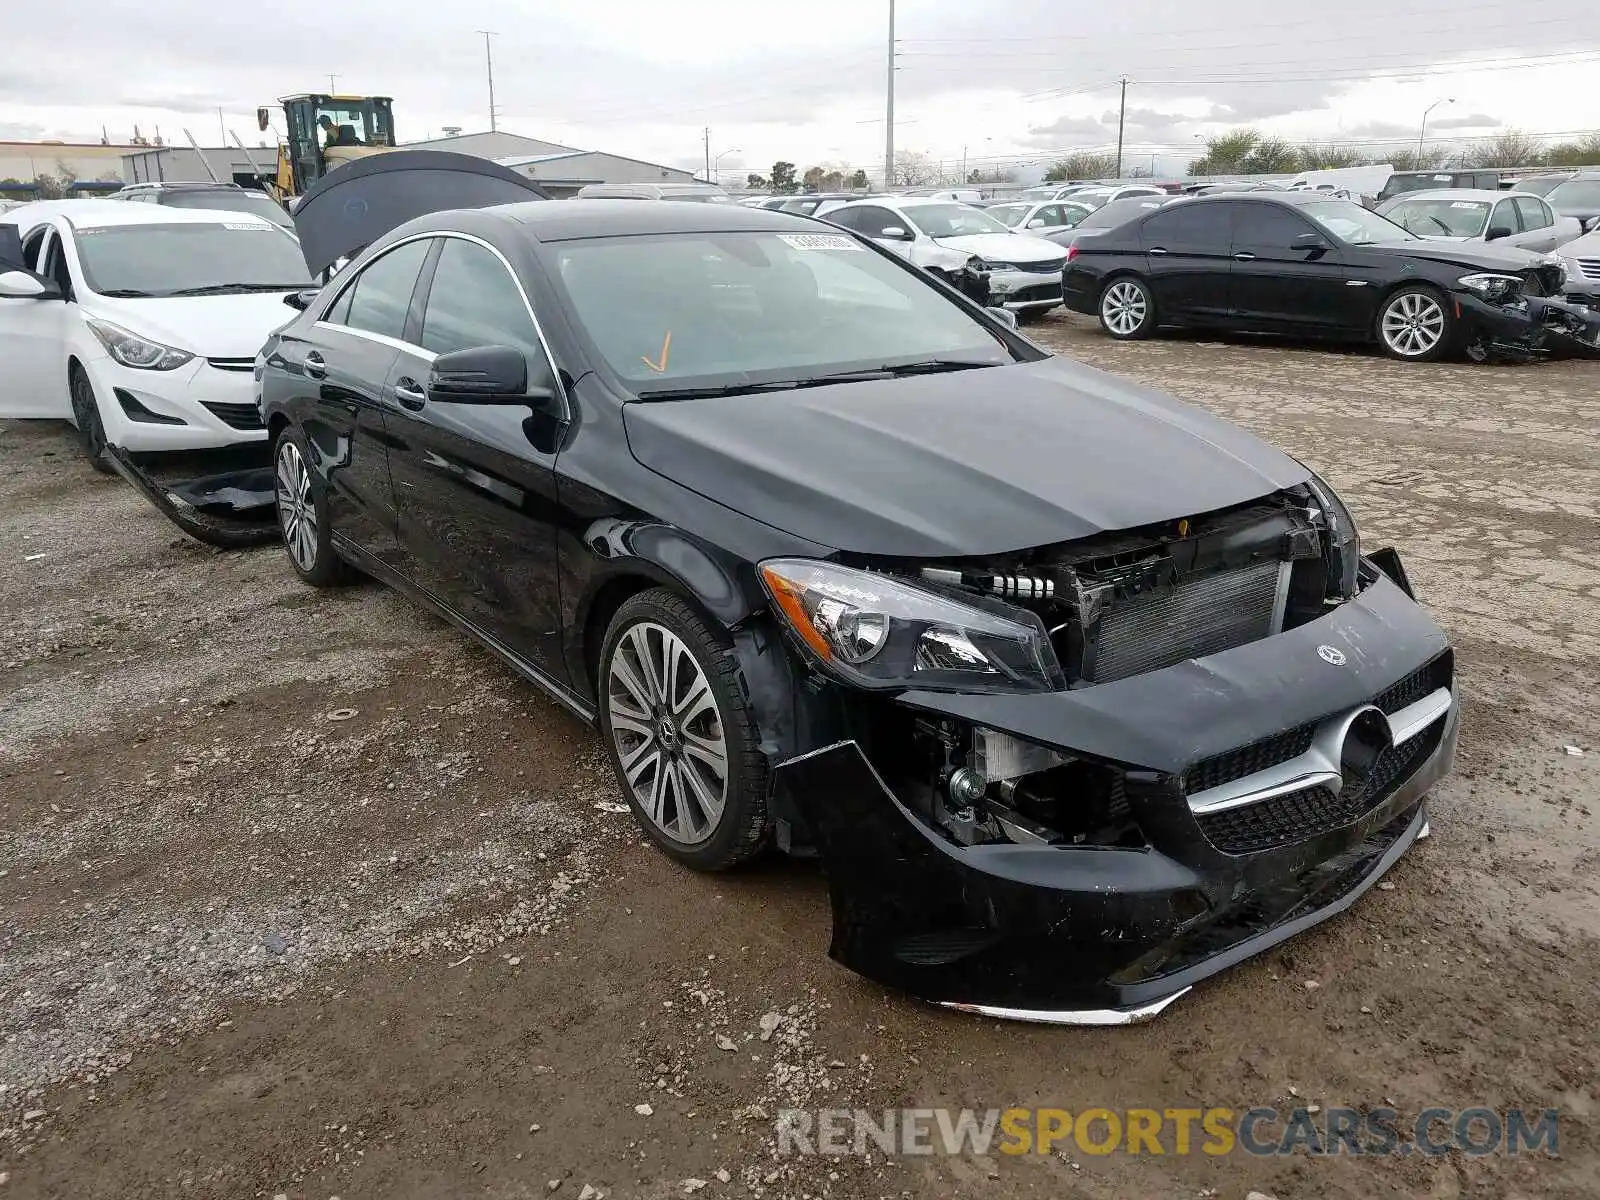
877,631
131,350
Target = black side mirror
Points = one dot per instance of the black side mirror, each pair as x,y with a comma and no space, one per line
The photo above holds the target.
1309,241
25,285
490,375
1496,232
301,300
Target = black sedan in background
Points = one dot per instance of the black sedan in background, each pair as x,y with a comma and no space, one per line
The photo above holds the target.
1080,694
1306,265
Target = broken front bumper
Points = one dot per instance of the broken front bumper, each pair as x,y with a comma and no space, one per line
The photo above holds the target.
1111,934
1533,326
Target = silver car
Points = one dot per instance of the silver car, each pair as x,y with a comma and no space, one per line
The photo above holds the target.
1040,220
1581,258
1470,215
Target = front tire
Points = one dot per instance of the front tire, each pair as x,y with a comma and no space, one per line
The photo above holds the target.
303,514
681,738
1127,309
86,414
1415,325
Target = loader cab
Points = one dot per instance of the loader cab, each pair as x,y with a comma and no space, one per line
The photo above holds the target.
327,131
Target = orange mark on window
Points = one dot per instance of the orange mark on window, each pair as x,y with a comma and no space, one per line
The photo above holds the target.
666,349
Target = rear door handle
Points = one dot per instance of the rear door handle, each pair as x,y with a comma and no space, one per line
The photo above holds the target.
316,367
409,392
1243,256
1158,249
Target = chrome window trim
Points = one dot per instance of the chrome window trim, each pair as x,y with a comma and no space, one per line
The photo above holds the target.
423,352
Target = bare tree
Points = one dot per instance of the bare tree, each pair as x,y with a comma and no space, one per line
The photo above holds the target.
1082,164
1326,158
1410,160
1513,148
912,168
1583,152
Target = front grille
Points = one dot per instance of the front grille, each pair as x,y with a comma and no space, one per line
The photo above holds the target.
1027,295
233,364
1197,616
1589,267
1281,747
1048,267
1312,812
240,416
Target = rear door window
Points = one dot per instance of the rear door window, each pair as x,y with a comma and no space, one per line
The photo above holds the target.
380,297
1533,212
1201,226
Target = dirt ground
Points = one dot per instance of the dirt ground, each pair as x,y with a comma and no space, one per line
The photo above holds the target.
303,895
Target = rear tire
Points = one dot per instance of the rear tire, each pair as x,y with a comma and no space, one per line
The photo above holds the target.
1414,324
680,735
86,414
1127,309
303,514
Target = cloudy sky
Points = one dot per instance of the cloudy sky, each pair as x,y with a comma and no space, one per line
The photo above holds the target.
1019,82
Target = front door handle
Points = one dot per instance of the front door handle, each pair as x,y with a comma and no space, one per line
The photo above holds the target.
316,366
1243,256
409,392
1158,249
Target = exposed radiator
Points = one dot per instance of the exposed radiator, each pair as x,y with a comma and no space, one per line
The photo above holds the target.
1199,615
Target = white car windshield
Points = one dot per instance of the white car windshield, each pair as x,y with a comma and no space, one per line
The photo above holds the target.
190,259
678,312
1351,223
951,220
1009,215
1441,218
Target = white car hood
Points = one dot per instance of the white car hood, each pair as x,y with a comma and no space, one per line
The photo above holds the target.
1588,246
206,326
1005,247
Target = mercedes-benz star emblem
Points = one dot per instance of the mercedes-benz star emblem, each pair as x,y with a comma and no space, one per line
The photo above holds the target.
1331,654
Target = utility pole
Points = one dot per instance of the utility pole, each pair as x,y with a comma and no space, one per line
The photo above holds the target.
222,124
888,136
708,154
488,62
1122,113
331,89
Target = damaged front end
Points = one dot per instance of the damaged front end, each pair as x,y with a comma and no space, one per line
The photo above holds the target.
1520,318
1240,722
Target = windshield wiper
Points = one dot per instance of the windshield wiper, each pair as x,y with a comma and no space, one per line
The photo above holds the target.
932,366
219,289
862,375
124,293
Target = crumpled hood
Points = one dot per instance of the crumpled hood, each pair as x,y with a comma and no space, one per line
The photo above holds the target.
1005,247
1482,256
971,462
205,326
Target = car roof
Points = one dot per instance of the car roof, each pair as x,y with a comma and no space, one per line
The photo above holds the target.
119,213
179,185
1483,194
562,220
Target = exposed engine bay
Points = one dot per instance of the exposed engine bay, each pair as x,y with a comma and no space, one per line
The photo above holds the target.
1113,606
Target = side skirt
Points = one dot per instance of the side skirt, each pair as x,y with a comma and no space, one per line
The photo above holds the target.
380,570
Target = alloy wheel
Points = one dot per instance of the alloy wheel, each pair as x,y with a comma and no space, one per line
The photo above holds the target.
1413,324
297,513
668,733
1124,307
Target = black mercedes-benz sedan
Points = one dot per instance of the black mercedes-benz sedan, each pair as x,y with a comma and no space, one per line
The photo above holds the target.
1078,693
1312,266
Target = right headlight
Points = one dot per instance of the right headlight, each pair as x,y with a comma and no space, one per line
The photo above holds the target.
1493,287
877,631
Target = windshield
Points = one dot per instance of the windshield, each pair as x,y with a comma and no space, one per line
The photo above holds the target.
951,220
1576,194
255,203
672,311
166,260
1349,222
1398,183
1440,217
1009,215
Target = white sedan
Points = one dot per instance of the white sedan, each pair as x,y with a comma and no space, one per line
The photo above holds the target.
1039,219
1023,273
140,323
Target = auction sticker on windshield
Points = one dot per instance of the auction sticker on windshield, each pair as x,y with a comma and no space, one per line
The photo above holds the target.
819,241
